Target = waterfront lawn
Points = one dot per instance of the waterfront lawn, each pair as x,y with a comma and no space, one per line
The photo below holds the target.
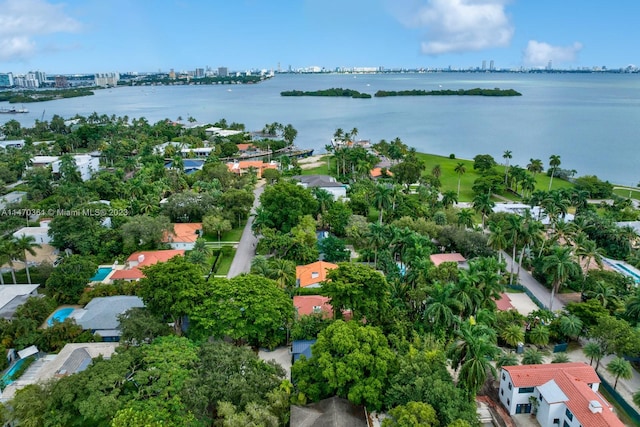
628,193
319,170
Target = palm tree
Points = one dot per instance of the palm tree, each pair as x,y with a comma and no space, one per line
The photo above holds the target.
283,272
587,250
9,253
535,166
26,244
620,368
483,204
532,356
539,335
376,237
382,199
559,265
471,352
593,350
5,257
515,226
603,292
441,307
632,308
507,359
636,398
497,239
560,358
554,162
354,133
513,335
506,155
467,293
465,218
449,198
571,326
460,169
436,171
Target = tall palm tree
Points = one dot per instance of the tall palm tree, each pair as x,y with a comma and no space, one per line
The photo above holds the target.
460,169
620,368
559,265
632,308
26,244
5,257
376,237
535,166
465,218
593,350
283,272
467,293
514,228
436,171
498,239
506,155
483,204
382,199
449,198
603,292
554,162
9,253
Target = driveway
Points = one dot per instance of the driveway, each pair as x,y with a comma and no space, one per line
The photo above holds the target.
247,246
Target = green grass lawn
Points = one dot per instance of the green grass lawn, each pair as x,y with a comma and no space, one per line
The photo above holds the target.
232,235
225,263
320,170
631,193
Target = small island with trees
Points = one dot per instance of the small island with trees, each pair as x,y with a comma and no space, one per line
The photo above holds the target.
350,93
460,92
43,95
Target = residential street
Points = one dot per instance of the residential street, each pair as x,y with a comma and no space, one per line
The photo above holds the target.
247,246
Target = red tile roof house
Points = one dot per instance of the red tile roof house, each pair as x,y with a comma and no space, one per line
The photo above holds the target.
137,260
312,275
438,259
312,304
184,235
566,395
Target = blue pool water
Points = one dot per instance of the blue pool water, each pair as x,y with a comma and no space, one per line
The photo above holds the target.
101,274
59,315
14,368
628,272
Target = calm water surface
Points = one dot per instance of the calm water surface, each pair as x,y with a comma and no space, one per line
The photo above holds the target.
592,121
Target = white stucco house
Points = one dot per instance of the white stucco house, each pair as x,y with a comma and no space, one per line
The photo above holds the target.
328,183
40,234
559,394
86,164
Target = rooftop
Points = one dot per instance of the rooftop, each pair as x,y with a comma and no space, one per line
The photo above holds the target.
137,260
438,259
313,273
102,312
536,375
184,233
12,296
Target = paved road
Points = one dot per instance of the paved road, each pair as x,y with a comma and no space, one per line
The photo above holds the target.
247,247
542,293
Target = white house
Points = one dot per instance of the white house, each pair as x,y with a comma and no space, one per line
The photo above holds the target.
40,234
86,164
328,183
560,395
13,197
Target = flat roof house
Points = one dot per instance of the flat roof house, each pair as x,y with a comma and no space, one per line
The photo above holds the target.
13,296
560,394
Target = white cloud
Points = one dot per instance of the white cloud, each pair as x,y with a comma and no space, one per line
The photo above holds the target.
538,54
22,20
458,25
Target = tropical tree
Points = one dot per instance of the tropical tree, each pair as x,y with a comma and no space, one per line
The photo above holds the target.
620,368
513,335
382,199
506,156
449,198
507,359
587,250
571,326
460,169
442,307
532,356
560,358
535,166
593,350
559,266
283,271
539,335
483,204
603,292
554,162
465,218
636,398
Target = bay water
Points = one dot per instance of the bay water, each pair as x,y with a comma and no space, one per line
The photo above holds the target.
592,121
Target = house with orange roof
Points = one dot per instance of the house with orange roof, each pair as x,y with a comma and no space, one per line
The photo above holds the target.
312,275
438,259
312,304
132,270
184,235
245,166
376,173
560,394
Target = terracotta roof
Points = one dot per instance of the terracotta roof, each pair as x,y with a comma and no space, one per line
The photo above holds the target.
148,258
183,233
313,273
535,375
305,304
244,147
244,165
377,172
438,259
504,302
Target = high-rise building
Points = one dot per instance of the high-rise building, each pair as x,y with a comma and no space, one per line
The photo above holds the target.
491,65
199,73
106,79
484,65
223,72
6,80
61,82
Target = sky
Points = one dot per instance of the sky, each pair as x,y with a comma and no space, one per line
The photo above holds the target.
88,36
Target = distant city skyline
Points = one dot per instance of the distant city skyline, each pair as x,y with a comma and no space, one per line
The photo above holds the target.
89,36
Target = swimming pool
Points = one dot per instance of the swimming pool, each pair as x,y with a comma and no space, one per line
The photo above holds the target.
6,377
101,274
628,271
59,315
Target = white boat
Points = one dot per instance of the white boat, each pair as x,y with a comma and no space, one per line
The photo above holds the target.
13,110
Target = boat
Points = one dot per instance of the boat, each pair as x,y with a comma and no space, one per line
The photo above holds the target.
13,110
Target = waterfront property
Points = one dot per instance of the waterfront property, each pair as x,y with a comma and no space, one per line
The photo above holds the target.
324,182
560,394
246,166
